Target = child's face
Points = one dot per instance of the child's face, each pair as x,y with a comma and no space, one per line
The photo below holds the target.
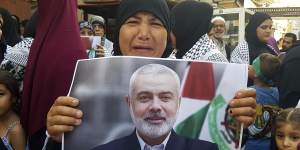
5,100
287,137
86,32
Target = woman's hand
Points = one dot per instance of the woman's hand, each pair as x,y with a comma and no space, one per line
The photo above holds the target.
63,117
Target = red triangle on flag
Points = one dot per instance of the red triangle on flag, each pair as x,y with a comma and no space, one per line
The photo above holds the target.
199,81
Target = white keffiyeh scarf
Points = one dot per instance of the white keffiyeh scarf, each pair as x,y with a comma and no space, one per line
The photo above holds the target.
240,54
205,49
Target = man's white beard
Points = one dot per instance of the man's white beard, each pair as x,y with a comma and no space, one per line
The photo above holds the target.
153,130
219,35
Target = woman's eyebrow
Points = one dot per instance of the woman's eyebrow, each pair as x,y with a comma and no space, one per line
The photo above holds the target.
134,17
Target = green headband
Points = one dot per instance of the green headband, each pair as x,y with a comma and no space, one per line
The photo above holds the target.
257,67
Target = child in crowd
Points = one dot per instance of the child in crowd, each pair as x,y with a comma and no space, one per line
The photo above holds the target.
11,132
85,28
265,66
287,129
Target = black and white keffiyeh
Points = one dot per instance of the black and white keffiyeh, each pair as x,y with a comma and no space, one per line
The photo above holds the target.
15,59
240,54
220,45
205,49
252,47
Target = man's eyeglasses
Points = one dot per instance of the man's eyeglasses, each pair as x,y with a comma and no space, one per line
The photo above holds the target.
218,26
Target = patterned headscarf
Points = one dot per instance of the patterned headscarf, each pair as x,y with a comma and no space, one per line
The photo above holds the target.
85,24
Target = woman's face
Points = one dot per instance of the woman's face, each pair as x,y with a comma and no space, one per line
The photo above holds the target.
264,30
5,100
287,137
143,35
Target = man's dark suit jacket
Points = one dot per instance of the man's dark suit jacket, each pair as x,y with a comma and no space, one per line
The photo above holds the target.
175,142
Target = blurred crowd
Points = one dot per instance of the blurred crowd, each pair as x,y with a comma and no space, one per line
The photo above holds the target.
187,31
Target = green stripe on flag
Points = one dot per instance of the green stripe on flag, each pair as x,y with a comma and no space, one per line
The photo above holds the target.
191,127
214,132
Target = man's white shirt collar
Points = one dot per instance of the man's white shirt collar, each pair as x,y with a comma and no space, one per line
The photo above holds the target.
142,142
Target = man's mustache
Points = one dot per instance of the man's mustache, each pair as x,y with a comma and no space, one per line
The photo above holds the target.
155,114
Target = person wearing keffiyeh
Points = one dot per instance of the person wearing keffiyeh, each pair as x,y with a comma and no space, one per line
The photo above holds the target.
257,34
16,57
190,28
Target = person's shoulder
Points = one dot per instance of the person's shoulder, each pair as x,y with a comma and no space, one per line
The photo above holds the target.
293,53
15,126
115,144
16,130
243,45
205,145
194,144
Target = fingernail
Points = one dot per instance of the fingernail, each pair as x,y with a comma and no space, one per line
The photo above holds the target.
231,103
239,94
78,122
78,114
71,128
75,101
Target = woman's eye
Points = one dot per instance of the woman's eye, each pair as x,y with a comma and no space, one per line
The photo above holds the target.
157,24
132,22
266,27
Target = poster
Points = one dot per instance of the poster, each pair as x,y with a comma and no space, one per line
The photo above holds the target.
102,84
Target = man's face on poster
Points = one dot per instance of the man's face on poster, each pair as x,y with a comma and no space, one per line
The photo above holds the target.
154,104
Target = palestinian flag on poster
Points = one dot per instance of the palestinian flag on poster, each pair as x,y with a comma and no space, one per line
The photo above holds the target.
206,90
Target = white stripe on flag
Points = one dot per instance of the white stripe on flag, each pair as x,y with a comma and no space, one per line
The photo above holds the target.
192,105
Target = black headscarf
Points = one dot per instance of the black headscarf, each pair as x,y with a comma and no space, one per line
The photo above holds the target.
158,8
9,28
192,20
30,28
256,47
17,23
2,48
289,82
